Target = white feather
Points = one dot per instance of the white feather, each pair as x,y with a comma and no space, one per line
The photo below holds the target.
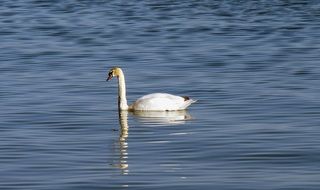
161,102
150,102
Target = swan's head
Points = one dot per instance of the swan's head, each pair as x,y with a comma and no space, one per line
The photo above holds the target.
114,72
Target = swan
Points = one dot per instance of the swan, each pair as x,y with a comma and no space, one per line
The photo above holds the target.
150,102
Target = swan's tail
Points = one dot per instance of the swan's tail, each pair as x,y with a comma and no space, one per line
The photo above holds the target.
187,102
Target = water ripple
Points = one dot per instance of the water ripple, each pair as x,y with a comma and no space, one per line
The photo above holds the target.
253,67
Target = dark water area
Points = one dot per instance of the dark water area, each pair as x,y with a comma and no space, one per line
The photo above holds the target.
253,66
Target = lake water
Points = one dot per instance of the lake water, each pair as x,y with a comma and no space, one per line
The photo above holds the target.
253,66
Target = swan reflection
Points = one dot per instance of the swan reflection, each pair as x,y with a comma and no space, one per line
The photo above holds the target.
123,144
162,118
168,117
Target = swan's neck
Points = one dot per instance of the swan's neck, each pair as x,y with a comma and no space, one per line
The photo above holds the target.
122,100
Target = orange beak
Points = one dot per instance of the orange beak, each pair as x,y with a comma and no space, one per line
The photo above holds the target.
109,77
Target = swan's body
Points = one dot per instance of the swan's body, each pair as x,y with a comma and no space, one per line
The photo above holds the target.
150,102
161,101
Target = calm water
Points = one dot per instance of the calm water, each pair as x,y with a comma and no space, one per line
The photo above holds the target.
253,66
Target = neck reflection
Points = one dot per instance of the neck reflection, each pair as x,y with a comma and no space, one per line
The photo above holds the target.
123,144
153,118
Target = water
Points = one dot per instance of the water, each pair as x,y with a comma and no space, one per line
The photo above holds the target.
253,66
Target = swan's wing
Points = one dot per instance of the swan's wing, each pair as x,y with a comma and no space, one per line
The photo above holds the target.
162,102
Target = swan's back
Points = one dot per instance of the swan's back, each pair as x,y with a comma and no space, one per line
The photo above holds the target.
161,102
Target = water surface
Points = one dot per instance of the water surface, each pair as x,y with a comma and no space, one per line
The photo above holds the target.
252,66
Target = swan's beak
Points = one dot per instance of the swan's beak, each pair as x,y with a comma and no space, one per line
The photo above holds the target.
109,77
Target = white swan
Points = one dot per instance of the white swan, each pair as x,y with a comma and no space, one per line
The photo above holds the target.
150,102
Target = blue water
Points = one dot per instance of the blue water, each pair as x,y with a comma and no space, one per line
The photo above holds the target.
253,66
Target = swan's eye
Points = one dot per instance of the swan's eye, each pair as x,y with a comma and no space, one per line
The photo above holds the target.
110,73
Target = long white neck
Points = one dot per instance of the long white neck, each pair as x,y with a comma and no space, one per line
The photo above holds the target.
122,100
